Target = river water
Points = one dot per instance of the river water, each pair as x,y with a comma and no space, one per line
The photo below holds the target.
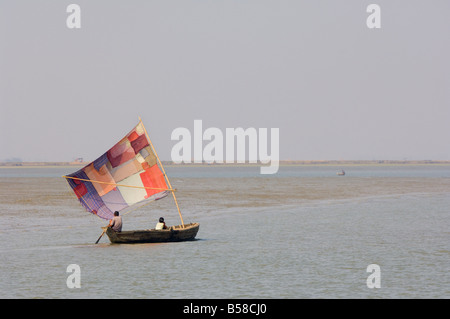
301,233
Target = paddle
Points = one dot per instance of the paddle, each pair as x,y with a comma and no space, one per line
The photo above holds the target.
104,231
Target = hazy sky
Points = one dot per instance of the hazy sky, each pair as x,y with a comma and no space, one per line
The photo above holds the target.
335,88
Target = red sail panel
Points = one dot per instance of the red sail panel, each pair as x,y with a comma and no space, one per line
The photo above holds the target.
152,177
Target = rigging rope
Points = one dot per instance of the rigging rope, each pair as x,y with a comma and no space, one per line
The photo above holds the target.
123,185
75,192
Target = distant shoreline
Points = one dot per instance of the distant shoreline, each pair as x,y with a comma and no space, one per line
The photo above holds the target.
281,163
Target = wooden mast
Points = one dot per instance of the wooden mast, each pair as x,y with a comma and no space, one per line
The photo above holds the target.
164,172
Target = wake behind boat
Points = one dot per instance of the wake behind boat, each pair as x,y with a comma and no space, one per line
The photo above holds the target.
126,177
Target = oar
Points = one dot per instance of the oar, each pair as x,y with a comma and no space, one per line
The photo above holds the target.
104,231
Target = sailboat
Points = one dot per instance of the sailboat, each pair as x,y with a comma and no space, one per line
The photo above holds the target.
126,177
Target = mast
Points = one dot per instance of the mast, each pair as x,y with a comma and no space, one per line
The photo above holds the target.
164,172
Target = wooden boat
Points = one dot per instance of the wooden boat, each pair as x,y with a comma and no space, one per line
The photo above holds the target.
341,173
172,234
126,177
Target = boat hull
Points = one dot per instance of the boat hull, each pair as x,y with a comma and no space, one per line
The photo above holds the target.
173,234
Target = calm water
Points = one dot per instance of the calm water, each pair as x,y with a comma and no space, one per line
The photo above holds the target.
303,233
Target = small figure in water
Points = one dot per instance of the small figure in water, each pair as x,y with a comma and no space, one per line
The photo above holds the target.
161,224
116,222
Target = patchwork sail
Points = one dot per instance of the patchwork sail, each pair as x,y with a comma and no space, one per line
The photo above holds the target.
122,179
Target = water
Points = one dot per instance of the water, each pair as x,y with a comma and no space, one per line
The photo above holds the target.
302,233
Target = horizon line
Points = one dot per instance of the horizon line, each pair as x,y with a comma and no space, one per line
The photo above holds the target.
292,162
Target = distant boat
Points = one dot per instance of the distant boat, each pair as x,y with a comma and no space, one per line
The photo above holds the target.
341,173
123,179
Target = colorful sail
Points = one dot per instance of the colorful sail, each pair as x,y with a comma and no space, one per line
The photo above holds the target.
123,178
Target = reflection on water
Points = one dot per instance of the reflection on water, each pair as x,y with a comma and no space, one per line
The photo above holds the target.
303,233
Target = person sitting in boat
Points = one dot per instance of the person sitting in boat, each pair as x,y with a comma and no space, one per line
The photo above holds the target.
116,222
161,224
